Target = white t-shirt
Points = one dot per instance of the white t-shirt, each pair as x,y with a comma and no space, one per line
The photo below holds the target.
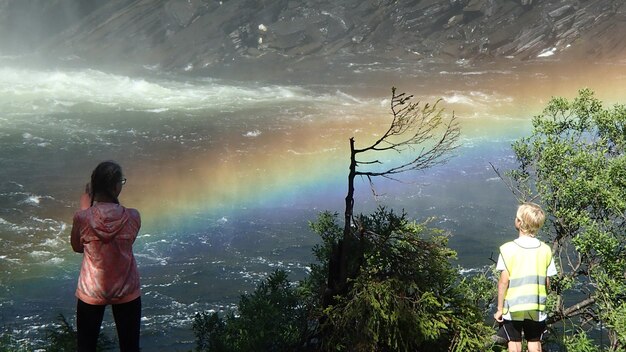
536,315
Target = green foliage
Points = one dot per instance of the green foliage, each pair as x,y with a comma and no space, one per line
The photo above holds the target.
479,290
407,295
328,229
272,318
60,337
8,343
574,163
579,342
617,321
210,332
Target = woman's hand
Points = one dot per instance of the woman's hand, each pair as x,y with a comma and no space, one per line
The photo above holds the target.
85,198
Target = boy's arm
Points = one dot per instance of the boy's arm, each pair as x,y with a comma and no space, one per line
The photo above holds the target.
503,285
551,271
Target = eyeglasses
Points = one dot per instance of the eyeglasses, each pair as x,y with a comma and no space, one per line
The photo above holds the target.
123,181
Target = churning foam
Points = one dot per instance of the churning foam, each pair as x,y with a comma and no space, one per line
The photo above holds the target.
30,91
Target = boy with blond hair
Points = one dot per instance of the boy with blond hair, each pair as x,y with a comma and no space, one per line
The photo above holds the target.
525,266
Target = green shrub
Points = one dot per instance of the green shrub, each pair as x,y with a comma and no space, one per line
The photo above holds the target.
407,295
272,318
8,343
60,337
579,342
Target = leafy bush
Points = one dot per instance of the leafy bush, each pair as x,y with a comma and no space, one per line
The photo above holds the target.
60,337
210,332
272,318
407,295
579,343
8,343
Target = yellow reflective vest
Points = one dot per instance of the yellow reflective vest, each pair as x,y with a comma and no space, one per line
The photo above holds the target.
527,269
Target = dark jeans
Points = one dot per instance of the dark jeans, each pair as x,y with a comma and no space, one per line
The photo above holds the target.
127,321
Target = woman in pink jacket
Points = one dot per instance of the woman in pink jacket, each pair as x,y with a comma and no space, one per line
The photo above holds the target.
104,231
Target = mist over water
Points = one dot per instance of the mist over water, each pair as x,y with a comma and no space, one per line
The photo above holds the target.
227,174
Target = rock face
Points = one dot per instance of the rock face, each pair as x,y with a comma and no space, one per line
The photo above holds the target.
25,24
194,35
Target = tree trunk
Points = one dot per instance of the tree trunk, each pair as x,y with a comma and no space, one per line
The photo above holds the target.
338,265
347,241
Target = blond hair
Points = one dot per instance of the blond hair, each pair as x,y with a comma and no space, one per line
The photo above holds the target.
531,218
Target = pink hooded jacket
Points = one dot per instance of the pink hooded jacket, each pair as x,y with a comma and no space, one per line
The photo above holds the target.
105,233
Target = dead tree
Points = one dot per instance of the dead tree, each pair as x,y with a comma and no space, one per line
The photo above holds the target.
419,130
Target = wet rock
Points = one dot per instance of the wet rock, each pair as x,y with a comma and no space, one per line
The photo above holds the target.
25,25
561,11
475,6
459,3
454,20
181,12
195,35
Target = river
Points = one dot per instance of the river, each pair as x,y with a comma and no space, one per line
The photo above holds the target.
228,173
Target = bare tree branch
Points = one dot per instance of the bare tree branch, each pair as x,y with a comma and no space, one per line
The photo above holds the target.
415,126
576,309
416,129
520,195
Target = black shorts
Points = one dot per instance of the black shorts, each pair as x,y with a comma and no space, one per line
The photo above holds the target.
511,330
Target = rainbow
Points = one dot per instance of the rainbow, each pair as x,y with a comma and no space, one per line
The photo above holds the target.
309,160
